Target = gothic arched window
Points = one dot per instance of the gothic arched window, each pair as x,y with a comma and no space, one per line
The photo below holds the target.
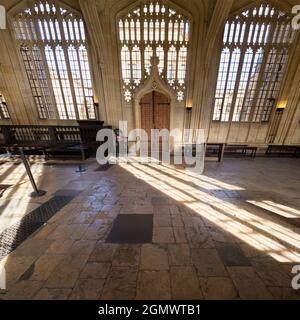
154,29
52,43
256,44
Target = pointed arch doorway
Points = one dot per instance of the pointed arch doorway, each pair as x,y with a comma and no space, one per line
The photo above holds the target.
155,114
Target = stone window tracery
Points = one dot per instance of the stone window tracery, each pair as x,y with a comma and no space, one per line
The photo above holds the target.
52,43
154,29
255,51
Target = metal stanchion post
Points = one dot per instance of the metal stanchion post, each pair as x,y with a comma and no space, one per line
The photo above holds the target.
81,168
37,192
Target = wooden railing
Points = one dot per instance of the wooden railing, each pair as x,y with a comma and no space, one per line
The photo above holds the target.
49,135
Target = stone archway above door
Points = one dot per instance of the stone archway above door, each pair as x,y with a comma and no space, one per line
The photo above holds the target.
153,83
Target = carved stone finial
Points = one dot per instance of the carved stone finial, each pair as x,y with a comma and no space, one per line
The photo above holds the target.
154,61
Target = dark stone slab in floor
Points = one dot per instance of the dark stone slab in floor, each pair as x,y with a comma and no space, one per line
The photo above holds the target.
67,193
104,167
131,228
233,256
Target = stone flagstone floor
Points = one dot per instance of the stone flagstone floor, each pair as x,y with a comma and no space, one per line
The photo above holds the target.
231,233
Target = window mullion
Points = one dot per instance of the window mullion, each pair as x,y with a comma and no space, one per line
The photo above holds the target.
43,20
243,109
33,33
271,83
266,85
43,107
260,77
60,81
166,44
49,82
176,65
54,18
69,79
43,27
244,49
259,85
130,48
53,47
237,82
142,43
64,45
46,69
226,81
82,83
25,47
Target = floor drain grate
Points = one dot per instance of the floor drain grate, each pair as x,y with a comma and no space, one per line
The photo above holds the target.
14,235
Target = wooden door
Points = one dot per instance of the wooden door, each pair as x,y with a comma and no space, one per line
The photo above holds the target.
155,113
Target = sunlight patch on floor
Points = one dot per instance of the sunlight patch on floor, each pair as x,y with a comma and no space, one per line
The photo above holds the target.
253,228
277,208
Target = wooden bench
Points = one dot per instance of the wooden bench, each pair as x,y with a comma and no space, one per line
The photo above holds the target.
215,150
68,151
240,150
211,150
283,150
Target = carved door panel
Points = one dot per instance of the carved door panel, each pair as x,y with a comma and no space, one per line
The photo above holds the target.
155,113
